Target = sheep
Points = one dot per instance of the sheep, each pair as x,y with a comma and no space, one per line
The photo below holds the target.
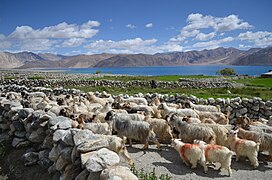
264,138
249,124
138,130
190,153
190,120
137,100
208,108
217,153
243,147
189,132
181,112
217,117
136,108
160,127
93,99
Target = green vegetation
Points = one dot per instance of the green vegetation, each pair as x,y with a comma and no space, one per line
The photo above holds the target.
36,77
142,175
98,72
257,82
226,72
200,93
9,77
149,78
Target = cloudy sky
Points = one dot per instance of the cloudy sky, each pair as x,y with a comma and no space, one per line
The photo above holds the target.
138,26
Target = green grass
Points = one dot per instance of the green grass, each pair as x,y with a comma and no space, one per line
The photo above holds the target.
149,78
257,82
247,92
36,77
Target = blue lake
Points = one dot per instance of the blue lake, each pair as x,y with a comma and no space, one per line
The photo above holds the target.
170,70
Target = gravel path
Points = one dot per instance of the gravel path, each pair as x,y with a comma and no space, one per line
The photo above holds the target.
168,161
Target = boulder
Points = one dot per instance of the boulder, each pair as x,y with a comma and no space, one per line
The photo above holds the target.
23,113
117,172
101,159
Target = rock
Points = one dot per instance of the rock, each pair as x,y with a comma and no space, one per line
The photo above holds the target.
23,113
255,107
101,159
60,122
4,137
4,126
243,111
75,154
83,175
30,158
16,141
37,136
20,134
66,153
18,126
211,100
45,163
92,145
117,172
61,163
71,171
84,136
64,136
268,103
55,152
59,134
84,157
94,175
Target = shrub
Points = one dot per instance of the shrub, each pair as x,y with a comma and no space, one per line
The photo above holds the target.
226,72
142,175
98,72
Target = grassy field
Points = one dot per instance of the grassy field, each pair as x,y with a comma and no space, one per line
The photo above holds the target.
254,87
149,78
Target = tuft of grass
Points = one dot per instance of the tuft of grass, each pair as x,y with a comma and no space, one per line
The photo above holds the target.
142,175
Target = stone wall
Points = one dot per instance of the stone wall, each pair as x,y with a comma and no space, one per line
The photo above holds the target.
66,152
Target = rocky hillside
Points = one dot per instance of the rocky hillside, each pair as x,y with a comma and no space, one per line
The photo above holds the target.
260,57
218,56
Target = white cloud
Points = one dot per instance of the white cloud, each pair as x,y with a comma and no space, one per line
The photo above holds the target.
4,44
213,43
37,44
136,45
205,37
62,30
196,22
229,23
259,38
149,25
242,46
131,26
73,42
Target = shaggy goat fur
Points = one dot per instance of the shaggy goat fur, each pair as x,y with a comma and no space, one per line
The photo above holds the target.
217,153
190,153
243,147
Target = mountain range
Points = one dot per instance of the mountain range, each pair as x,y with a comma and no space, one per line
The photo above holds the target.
218,56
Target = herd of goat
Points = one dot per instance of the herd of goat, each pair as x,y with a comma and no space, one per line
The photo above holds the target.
200,133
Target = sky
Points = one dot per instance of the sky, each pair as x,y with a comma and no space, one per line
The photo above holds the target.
133,26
